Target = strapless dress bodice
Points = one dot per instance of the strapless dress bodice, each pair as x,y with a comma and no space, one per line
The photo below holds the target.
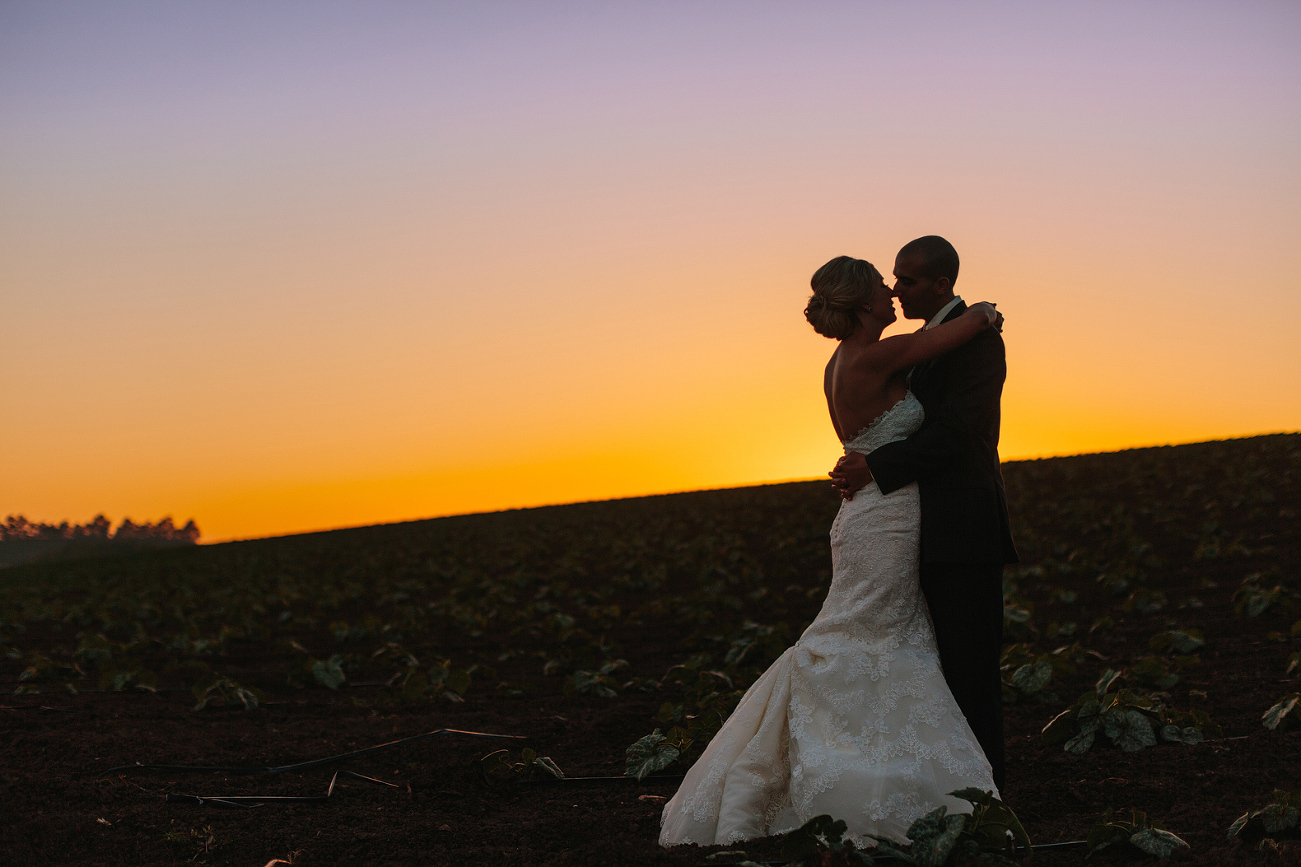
896,423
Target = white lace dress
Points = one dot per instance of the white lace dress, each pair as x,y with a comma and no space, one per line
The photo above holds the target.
855,720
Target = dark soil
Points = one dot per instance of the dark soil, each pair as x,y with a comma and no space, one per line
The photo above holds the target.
1191,522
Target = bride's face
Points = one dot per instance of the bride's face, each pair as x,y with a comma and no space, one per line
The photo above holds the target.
883,302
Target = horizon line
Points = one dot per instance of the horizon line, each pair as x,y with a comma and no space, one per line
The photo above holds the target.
753,484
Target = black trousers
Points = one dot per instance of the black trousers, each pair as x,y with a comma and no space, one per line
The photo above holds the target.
966,602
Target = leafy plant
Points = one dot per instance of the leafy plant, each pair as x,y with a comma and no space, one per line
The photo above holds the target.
329,673
1138,836
1127,718
596,682
1281,819
453,683
1177,640
655,752
758,644
1158,672
1252,598
1060,630
1025,673
988,834
1018,614
218,691
708,698
499,764
1284,712
113,678
1145,601
42,669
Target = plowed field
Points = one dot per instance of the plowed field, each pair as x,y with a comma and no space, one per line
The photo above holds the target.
561,625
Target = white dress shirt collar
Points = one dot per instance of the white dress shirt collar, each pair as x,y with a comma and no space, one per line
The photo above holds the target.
944,311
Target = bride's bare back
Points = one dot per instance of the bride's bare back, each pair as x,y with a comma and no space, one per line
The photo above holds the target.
865,376
859,390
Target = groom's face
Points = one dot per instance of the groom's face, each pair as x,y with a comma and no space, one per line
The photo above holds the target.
920,296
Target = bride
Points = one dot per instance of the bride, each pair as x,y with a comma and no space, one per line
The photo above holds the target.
855,720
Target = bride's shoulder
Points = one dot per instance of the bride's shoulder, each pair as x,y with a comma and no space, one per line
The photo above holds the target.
894,345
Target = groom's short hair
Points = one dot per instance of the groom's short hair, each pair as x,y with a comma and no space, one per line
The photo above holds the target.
939,259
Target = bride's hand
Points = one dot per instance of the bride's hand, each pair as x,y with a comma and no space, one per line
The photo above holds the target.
995,318
850,475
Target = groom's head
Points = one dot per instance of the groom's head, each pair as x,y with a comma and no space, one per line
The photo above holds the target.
924,273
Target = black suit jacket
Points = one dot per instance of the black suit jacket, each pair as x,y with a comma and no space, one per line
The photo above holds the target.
953,456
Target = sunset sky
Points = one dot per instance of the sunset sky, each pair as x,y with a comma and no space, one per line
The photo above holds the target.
287,266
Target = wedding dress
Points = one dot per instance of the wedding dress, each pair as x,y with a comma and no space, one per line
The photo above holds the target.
855,720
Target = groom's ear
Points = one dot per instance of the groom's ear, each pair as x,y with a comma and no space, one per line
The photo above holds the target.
943,285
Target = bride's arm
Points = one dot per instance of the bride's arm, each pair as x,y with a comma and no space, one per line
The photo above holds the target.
905,350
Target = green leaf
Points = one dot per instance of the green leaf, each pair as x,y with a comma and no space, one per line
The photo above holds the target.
548,767
1079,745
991,820
589,682
94,648
1108,678
218,691
246,697
1130,730
933,837
1155,841
650,754
976,797
1278,818
1032,677
330,672
1145,601
1186,735
1154,672
1278,713
1061,728
1106,833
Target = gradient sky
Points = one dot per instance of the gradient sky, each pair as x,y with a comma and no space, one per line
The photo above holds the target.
298,265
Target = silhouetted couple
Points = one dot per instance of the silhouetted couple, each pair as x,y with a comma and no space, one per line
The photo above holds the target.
891,698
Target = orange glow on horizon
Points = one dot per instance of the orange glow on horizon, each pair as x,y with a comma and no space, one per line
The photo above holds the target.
346,268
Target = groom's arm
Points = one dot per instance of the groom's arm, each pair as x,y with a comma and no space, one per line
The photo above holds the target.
971,393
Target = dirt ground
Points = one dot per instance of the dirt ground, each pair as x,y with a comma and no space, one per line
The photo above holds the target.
1198,520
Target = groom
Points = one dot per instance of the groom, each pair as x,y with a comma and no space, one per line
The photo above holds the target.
965,536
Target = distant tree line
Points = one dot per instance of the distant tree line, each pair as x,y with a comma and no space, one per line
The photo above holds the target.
100,528
24,541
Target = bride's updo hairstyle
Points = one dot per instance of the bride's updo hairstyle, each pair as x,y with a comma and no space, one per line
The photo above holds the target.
840,287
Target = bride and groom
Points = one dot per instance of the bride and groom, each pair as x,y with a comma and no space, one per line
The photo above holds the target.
890,699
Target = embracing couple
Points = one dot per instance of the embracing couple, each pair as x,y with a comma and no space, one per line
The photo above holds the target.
890,699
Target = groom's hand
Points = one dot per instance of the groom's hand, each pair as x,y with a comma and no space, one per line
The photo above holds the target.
850,475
